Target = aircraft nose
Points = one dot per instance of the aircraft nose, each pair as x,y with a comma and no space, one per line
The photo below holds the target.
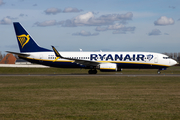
173,62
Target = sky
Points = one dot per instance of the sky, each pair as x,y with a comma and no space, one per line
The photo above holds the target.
91,25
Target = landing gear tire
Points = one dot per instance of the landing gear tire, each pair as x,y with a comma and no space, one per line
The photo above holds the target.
92,71
159,72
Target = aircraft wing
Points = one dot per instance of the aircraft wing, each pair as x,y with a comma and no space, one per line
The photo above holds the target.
21,54
86,62
78,61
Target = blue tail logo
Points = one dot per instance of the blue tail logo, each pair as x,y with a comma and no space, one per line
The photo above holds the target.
23,39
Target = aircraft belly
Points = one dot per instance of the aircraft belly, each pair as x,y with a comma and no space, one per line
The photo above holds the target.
139,66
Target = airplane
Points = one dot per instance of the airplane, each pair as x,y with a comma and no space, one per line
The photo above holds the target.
103,61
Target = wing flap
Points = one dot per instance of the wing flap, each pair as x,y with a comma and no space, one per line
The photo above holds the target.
86,62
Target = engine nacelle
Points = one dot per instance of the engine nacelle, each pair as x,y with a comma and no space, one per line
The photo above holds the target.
108,67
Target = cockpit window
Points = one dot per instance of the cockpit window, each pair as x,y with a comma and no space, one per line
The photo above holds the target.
165,57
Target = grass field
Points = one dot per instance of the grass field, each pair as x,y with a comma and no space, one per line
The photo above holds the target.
88,97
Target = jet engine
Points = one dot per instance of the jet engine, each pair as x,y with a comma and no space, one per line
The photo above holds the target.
108,67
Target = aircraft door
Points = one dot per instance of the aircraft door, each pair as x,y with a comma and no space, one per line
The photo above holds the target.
155,59
41,57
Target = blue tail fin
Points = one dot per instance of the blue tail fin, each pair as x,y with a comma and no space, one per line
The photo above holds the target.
25,41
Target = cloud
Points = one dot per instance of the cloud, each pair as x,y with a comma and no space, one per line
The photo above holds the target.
6,21
46,23
124,30
70,9
84,19
119,28
164,21
115,26
89,19
22,15
1,2
35,5
52,11
85,33
67,23
109,22
12,18
117,17
173,7
155,32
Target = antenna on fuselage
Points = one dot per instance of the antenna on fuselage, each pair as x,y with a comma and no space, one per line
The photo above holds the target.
80,50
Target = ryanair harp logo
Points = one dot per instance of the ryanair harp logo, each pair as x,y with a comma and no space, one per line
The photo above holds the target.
149,57
23,39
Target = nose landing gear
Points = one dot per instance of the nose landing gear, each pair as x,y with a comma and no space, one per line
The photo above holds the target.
159,71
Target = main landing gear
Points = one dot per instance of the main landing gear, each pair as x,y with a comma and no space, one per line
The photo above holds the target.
92,71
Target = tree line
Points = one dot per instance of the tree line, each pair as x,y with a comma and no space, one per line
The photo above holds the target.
2,56
175,56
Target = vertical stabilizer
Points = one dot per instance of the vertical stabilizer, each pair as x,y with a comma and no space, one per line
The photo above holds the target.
25,41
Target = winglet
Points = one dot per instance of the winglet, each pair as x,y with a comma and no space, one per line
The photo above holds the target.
56,53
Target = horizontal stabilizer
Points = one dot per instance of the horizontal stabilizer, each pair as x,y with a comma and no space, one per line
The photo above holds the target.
21,54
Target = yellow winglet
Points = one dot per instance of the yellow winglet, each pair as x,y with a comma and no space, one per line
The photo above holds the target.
56,59
56,52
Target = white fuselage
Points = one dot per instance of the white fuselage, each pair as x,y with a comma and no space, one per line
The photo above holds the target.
122,59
